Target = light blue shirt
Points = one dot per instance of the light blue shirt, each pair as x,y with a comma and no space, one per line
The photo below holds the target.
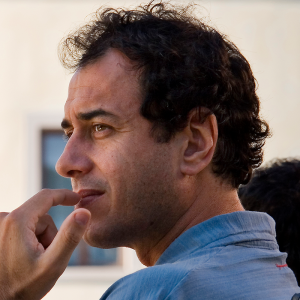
228,257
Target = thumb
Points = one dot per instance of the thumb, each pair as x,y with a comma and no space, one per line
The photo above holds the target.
67,238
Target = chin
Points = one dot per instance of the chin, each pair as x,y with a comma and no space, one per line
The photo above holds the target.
101,239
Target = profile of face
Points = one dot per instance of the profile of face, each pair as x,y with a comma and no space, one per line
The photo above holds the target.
125,178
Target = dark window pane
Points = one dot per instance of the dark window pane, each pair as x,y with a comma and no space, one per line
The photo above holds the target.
52,147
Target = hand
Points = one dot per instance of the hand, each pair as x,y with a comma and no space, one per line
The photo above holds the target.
32,253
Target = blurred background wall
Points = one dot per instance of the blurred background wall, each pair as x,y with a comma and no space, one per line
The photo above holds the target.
33,89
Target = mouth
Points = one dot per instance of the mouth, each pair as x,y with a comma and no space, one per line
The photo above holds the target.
88,196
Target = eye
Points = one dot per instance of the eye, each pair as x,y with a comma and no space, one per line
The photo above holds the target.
67,135
100,127
101,130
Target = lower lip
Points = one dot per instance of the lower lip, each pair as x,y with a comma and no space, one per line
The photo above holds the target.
87,201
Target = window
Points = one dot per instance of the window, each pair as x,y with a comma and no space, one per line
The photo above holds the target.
52,147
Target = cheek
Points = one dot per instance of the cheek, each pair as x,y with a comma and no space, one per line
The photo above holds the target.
112,163
120,156
115,167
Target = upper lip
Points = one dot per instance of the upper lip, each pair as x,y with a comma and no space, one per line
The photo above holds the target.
89,192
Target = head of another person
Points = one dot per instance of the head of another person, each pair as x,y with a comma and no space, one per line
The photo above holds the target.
275,189
142,78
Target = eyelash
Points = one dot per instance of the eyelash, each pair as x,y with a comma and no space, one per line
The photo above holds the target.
67,135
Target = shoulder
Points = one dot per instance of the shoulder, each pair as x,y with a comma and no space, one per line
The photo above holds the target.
239,273
155,282
159,281
221,272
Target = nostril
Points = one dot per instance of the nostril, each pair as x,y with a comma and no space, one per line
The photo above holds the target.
71,173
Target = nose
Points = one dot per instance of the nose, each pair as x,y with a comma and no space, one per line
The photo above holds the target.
74,161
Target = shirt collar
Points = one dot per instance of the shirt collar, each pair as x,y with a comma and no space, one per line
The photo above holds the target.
242,227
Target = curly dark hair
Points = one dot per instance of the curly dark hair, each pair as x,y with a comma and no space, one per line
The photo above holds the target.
185,64
275,189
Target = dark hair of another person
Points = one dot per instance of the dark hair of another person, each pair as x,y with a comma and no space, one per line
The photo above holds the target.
275,189
185,64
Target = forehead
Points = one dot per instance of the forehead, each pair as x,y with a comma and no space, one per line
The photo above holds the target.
110,83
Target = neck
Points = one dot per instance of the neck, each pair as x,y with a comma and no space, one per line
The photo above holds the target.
210,199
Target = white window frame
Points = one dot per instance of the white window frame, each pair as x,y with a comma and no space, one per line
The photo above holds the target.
127,261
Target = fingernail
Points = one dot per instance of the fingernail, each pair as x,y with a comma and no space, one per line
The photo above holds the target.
81,219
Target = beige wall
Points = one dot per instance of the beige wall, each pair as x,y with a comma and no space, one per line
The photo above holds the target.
267,32
33,83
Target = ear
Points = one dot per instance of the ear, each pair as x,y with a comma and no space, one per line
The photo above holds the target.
201,137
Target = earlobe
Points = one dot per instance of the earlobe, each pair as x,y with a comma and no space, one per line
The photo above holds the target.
202,134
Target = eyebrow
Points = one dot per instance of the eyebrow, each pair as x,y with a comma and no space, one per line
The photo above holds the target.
87,116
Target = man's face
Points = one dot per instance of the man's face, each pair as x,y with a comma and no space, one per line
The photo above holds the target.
125,178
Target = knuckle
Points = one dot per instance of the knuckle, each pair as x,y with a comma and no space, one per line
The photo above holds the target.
9,220
3,215
3,219
13,217
46,192
47,217
71,239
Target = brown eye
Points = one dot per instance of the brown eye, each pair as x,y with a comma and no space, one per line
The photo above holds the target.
99,127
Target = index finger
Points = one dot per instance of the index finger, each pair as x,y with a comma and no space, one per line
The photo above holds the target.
40,203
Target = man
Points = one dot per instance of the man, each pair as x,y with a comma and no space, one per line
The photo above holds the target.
275,189
163,125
